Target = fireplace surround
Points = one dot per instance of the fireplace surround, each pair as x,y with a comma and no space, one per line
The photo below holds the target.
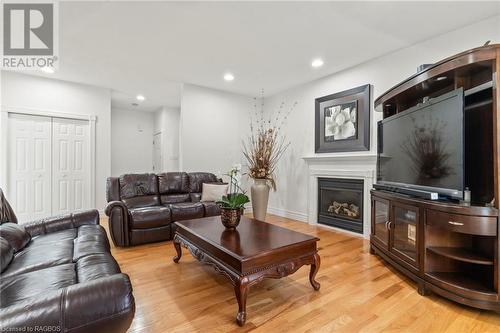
341,166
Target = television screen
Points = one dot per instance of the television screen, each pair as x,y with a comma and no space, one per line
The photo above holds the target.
422,147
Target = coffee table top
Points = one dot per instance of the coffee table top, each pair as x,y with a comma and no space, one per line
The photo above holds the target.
251,237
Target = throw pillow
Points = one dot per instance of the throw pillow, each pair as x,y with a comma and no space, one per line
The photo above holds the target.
6,253
213,192
15,234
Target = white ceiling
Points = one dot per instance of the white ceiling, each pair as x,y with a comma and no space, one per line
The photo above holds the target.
152,48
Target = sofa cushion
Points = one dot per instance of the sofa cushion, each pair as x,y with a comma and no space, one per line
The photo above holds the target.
96,266
195,197
196,180
150,217
23,286
139,190
143,236
40,255
175,198
94,230
135,185
54,237
211,208
187,210
173,182
91,240
6,253
15,234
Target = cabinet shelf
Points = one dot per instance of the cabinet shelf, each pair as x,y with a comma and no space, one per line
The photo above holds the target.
462,280
461,254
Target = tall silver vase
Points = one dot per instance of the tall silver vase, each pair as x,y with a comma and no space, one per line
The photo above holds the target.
260,197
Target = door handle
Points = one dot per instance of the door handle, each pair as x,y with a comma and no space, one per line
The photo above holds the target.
387,224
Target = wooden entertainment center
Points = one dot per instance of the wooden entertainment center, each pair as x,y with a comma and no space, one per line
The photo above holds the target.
448,247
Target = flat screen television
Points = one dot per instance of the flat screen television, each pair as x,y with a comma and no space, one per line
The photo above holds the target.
422,148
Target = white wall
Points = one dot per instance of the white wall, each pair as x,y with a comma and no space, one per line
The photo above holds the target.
131,141
213,124
383,73
26,91
167,121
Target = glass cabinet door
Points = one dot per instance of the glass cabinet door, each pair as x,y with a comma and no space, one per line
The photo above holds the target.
404,233
380,221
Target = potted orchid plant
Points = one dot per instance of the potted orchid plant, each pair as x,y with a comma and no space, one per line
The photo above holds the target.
233,204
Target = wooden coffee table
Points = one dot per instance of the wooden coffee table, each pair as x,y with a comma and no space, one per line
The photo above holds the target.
254,251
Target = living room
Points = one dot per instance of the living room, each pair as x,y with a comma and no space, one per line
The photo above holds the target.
250,166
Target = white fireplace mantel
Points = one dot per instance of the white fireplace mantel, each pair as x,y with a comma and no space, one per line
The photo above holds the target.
347,166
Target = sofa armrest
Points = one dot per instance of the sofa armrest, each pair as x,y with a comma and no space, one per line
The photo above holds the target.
101,305
118,222
57,223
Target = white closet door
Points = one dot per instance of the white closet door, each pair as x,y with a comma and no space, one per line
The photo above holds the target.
70,165
29,166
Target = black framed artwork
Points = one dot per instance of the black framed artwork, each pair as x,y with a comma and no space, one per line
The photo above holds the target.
343,121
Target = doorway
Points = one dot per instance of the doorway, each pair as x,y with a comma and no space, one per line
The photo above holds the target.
157,152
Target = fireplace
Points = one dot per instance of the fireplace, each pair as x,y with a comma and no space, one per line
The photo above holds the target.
340,203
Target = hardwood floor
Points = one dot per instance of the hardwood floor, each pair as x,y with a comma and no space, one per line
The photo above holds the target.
358,294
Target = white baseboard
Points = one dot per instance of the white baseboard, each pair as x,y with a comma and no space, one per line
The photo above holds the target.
302,217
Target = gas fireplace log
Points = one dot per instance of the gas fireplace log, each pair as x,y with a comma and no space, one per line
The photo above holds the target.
346,209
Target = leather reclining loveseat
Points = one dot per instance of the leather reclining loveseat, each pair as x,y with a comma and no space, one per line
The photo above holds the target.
58,276
143,207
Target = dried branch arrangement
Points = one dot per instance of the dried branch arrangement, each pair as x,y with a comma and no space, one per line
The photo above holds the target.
266,143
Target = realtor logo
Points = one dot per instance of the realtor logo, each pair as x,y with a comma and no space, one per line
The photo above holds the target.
29,35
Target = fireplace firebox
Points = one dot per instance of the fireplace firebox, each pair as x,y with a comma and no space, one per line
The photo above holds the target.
340,203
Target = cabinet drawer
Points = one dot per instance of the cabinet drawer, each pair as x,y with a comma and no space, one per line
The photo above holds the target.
473,225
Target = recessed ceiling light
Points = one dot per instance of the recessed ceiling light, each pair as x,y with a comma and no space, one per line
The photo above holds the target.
441,78
228,77
317,63
48,70
140,97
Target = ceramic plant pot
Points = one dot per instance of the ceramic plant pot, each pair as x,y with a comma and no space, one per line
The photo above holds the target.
260,197
230,217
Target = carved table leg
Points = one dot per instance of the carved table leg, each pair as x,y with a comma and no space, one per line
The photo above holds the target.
314,269
178,248
241,291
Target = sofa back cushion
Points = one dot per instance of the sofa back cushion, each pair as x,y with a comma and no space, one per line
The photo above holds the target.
6,253
196,180
139,190
15,234
173,183
174,187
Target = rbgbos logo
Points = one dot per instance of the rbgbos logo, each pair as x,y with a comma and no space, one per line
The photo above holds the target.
29,35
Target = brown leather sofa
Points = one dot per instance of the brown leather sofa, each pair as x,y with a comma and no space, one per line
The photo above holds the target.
143,207
59,276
